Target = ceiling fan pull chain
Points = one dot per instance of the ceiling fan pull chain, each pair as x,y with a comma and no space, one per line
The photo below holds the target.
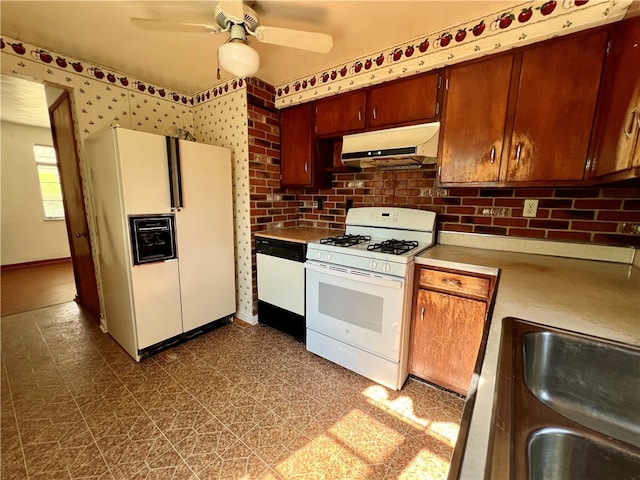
218,62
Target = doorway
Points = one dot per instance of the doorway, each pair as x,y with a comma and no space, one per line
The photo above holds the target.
35,247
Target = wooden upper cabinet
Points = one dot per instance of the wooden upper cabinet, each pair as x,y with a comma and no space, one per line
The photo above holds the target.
403,101
616,137
473,120
341,113
296,143
522,117
400,102
555,109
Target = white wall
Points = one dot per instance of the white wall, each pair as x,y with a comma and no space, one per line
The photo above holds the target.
25,235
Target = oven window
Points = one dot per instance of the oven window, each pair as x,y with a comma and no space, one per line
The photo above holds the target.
351,306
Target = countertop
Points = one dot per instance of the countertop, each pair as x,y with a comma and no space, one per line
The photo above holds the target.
299,234
593,297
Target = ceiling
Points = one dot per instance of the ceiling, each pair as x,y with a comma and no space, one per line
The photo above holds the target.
101,32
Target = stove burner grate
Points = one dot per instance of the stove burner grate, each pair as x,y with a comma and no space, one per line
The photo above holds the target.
394,247
345,240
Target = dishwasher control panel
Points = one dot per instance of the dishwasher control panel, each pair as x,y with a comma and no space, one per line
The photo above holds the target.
294,251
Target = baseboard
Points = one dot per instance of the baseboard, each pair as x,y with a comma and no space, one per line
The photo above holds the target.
36,263
247,317
240,323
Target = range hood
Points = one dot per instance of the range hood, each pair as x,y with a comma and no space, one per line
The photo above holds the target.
402,146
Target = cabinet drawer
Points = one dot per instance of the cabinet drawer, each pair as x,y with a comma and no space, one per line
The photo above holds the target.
455,283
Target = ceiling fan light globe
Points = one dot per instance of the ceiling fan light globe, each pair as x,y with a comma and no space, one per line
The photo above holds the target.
239,59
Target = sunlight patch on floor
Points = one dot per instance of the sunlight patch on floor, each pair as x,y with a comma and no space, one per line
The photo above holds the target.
352,447
400,407
425,461
446,432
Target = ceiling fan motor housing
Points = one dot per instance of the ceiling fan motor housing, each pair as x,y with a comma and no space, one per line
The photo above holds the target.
250,19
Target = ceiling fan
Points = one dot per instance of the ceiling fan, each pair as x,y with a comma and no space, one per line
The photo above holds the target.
236,55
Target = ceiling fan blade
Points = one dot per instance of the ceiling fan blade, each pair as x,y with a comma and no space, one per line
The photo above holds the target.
233,9
163,25
312,41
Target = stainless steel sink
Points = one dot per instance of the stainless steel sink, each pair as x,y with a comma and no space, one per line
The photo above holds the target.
593,383
567,406
559,453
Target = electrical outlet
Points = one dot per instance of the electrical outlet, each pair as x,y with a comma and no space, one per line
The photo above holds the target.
530,208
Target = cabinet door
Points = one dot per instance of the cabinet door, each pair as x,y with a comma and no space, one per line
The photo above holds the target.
446,333
618,114
475,111
403,101
341,113
555,109
296,142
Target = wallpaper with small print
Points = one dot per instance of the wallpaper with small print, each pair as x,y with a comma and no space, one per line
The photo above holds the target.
222,121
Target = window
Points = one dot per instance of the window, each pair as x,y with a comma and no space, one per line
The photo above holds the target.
49,178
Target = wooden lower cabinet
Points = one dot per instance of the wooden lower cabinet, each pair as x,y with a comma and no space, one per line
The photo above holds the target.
446,330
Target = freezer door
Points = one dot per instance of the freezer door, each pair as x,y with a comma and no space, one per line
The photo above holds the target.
205,240
144,172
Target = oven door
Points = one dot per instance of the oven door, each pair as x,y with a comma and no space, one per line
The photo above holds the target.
356,308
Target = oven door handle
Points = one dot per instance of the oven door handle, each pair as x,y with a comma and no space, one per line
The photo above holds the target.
350,275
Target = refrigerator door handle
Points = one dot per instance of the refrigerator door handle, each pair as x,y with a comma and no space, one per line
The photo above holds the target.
179,174
175,177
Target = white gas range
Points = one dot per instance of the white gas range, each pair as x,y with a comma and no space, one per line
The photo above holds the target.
359,287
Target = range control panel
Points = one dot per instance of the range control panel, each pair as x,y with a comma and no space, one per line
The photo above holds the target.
385,216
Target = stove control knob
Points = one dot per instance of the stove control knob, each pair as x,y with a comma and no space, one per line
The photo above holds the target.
328,256
373,265
318,255
387,267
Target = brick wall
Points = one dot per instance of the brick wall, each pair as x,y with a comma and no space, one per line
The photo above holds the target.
270,207
597,215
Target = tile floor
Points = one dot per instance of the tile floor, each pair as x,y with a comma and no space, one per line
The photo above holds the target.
234,404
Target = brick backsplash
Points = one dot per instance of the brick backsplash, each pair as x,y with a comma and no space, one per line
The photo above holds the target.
598,215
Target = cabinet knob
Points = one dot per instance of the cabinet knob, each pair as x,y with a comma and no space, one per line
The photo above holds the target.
492,155
306,167
359,114
375,112
422,314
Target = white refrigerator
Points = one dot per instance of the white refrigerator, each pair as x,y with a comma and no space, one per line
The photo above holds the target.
151,305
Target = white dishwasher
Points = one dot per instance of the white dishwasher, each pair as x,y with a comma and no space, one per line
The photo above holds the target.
281,287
